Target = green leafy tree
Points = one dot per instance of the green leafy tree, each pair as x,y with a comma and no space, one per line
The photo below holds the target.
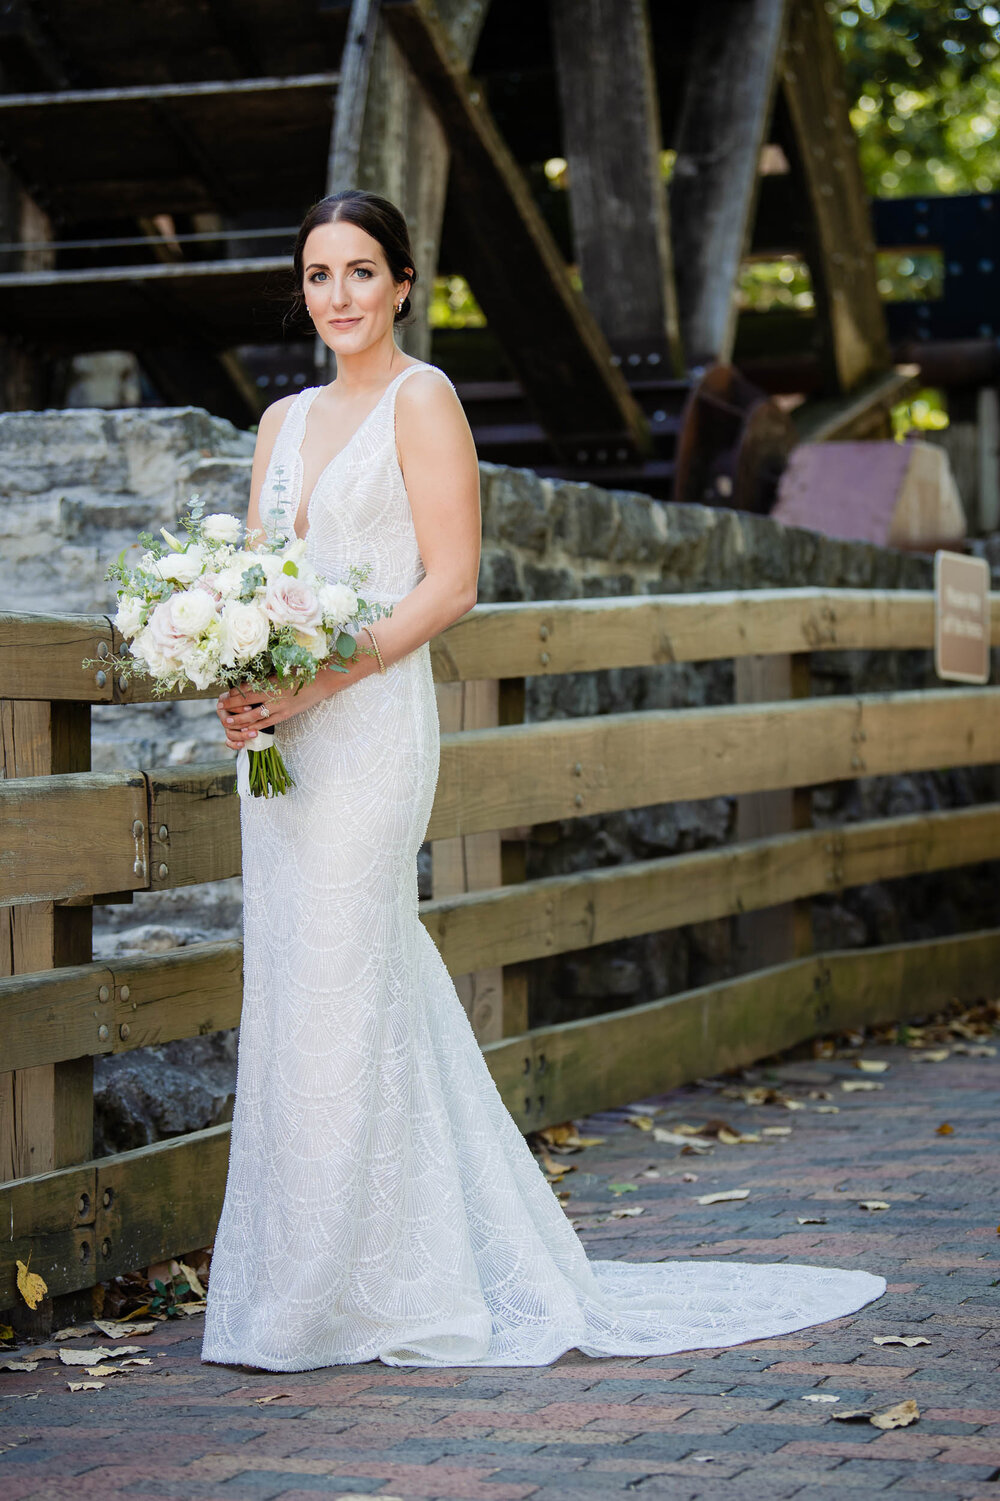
924,78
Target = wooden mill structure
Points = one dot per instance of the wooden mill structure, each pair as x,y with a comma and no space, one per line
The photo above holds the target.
159,155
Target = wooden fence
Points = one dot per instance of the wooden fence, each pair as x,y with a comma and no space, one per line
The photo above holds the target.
73,837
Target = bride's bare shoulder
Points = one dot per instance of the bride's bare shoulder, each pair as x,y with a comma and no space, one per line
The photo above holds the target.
273,416
426,395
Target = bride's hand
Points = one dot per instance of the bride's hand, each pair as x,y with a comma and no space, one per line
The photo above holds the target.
240,716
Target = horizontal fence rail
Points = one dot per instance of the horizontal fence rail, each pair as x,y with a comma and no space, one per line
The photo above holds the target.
108,836
40,655
116,1005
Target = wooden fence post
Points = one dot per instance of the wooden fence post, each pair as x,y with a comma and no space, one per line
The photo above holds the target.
773,934
47,1112
496,1000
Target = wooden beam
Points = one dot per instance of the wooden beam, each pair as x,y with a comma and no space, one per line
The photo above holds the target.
730,80
862,413
560,914
42,653
557,1073
498,779
112,1007
547,331
536,773
814,128
47,1111
617,194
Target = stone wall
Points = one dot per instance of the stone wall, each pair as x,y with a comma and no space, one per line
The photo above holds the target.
81,484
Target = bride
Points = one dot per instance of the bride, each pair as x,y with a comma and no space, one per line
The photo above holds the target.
380,1201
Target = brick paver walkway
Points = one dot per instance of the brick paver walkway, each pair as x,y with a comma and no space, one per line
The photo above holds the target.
731,1424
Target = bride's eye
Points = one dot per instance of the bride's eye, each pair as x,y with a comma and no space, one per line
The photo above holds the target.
365,269
316,275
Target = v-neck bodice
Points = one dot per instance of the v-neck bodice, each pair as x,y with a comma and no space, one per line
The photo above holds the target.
358,511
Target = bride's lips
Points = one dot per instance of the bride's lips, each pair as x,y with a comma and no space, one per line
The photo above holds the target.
343,322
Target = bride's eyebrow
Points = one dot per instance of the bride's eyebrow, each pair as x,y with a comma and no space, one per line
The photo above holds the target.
321,266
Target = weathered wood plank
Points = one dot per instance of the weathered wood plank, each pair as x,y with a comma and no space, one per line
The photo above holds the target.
165,1199
577,635
72,835
729,88
572,768
560,1072
103,1218
606,74
60,1014
519,775
41,656
548,333
472,864
194,825
559,914
66,1013
815,130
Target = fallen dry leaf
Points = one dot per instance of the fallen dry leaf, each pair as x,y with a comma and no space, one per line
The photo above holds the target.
873,1204
102,1370
85,1386
724,1198
898,1416
909,1340
119,1331
627,1214
641,1122
793,1104
853,1086
102,1352
693,1178
623,1188
31,1287
75,1331
263,1401
980,1050
931,1057
820,1397
18,1365
871,1065
827,1109
809,1219
776,1130
945,1130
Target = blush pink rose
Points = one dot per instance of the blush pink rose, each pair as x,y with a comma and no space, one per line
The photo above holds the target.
290,602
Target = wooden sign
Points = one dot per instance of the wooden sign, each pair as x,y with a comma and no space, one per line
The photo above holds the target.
961,617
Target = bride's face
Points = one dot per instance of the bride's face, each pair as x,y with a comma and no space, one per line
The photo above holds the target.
349,291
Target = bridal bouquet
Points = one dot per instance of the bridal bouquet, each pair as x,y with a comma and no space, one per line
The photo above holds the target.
213,608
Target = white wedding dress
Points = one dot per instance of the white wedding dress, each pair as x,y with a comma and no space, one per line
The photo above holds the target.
380,1201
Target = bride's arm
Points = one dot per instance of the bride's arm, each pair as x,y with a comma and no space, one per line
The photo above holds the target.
441,470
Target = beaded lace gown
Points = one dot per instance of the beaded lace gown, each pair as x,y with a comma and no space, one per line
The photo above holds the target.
380,1201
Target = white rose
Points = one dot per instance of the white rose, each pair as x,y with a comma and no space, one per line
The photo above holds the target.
191,611
201,663
314,642
166,638
221,527
338,602
272,564
146,650
290,602
244,633
295,550
128,617
180,567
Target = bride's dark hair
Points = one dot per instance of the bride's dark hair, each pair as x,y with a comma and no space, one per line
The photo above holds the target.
378,218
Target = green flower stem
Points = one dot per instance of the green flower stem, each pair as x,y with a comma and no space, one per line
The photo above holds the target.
268,773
